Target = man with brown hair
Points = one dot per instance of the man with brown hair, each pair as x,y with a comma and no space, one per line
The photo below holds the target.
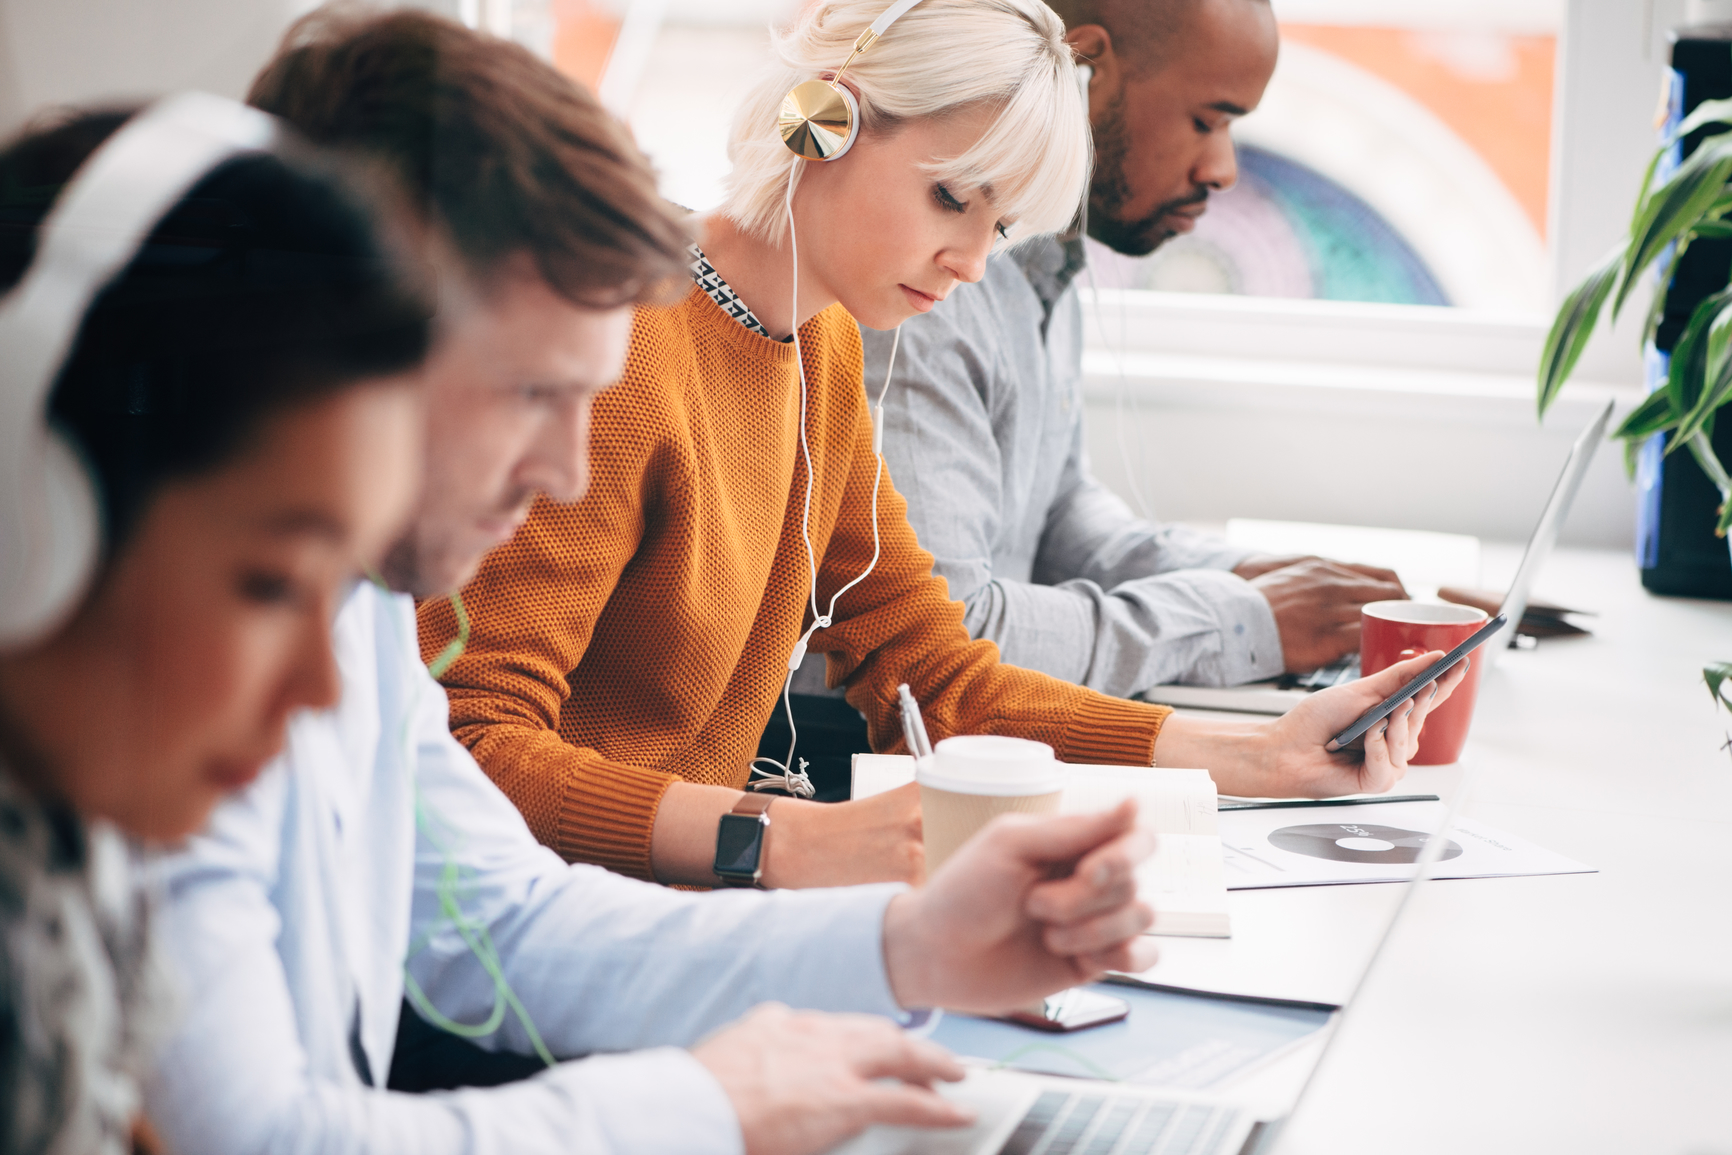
375,860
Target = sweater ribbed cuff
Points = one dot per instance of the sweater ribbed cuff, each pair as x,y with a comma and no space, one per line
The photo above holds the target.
608,816
1112,731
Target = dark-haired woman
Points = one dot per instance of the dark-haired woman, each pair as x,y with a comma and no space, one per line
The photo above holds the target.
242,395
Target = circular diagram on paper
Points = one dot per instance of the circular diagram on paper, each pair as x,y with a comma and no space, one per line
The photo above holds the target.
1351,842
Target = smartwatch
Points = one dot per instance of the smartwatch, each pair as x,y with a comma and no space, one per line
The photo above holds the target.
740,840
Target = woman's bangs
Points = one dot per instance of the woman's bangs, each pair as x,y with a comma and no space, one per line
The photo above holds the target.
1034,158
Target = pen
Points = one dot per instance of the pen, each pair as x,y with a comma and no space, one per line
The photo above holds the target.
913,728
1308,802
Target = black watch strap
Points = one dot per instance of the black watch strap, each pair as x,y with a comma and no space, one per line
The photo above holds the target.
742,837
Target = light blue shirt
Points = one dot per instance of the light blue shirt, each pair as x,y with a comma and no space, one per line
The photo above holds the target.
291,920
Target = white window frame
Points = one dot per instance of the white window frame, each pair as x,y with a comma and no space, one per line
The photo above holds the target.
1453,383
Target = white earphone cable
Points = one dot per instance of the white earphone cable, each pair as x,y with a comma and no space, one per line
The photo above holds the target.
1085,76
768,773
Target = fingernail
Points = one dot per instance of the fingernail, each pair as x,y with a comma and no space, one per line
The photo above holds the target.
1103,874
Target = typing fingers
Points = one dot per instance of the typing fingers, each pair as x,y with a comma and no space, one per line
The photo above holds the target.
902,1105
878,1049
1387,576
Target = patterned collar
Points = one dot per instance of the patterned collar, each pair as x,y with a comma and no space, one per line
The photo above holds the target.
722,293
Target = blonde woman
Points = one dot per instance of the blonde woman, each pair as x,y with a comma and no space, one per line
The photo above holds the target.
626,650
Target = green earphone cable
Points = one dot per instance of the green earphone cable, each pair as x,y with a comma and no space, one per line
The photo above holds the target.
475,935
1081,1060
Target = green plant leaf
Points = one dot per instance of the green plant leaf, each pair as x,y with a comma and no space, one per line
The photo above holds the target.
1716,675
1675,206
1647,186
1574,324
1714,230
1715,387
1687,366
1656,314
1652,416
1708,112
1705,456
1632,456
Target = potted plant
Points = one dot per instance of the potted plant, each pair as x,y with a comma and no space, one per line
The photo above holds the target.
1693,201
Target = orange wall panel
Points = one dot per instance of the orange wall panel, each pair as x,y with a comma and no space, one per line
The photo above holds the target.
1493,90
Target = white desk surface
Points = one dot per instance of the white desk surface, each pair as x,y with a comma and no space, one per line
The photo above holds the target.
1582,1014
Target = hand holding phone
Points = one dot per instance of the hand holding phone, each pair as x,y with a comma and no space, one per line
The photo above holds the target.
1426,676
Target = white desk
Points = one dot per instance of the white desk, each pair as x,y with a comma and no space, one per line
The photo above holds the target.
1580,1014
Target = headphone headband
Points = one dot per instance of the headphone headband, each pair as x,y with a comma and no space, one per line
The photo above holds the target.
820,119
49,522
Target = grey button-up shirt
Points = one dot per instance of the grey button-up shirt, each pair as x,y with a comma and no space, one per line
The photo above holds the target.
984,436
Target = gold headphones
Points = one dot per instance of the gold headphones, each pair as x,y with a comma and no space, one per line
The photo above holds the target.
820,118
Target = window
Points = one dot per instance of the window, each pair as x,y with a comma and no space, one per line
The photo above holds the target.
1400,155
1410,154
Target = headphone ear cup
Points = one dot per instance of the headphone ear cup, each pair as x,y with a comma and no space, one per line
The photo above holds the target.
53,540
819,120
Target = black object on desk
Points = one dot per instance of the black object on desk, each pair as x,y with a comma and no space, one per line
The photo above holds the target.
831,733
1676,503
1303,803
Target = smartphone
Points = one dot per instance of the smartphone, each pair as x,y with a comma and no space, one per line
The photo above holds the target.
1431,673
1072,1010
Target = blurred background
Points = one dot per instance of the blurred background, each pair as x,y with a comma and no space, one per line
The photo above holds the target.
1349,335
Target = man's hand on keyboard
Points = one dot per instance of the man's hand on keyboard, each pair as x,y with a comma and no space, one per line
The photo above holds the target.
1316,604
801,1081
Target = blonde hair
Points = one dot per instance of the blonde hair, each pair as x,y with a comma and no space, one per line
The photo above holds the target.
941,56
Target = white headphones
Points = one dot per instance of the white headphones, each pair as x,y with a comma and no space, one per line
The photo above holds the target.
50,523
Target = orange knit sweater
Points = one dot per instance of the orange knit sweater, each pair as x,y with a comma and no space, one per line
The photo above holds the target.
641,635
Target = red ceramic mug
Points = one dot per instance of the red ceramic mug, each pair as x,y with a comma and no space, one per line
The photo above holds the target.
1392,632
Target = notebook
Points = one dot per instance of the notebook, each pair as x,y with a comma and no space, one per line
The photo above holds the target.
1184,880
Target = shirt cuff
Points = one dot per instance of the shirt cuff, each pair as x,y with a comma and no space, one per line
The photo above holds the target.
1250,641
630,1096
1111,732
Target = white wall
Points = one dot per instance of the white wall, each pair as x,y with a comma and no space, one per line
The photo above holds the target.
83,51
1412,418
77,51
1391,415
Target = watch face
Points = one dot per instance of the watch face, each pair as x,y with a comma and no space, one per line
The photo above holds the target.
738,844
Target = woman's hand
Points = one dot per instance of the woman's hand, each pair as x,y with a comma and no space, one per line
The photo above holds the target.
1299,764
877,839
1288,758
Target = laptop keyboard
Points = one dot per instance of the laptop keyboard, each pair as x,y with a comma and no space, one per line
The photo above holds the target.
1342,670
1075,1123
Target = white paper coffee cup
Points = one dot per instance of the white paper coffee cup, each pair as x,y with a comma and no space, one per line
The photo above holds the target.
970,780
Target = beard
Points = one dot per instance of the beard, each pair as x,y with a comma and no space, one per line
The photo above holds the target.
1110,190
433,558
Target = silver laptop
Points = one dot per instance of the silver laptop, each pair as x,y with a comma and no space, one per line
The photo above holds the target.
1027,1114
1282,695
